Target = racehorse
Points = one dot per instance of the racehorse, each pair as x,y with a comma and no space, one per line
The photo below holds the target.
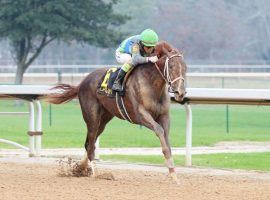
146,100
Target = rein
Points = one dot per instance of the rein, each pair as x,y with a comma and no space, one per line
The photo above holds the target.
166,75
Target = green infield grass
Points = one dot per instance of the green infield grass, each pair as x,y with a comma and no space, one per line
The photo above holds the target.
247,161
246,123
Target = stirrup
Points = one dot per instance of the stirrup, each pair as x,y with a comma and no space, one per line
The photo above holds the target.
117,87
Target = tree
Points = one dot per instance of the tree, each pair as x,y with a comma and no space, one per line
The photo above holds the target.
30,25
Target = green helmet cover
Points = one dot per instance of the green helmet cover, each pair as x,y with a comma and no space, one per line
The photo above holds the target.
149,38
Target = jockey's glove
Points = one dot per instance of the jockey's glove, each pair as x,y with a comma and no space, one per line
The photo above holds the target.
153,59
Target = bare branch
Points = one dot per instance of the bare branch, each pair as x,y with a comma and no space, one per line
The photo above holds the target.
43,43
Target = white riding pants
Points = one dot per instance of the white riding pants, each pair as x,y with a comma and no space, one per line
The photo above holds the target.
122,58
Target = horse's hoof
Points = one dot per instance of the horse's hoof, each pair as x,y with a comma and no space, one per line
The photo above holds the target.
173,176
83,165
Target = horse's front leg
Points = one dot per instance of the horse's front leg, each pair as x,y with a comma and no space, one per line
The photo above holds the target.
162,131
164,121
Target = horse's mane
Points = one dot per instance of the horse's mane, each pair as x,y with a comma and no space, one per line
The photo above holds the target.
162,48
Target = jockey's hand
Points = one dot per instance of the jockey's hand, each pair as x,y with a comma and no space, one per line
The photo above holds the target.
153,59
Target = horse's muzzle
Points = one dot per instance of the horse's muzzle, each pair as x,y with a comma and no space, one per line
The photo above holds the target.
179,97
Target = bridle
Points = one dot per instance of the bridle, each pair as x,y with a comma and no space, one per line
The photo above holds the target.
166,75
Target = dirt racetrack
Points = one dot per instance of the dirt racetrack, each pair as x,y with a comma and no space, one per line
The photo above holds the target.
42,181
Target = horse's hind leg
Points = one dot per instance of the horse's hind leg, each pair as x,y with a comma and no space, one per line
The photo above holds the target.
105,118
96,123
91,114
92,130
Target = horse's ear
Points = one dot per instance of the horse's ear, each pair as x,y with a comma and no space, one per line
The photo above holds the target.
182,52
162,48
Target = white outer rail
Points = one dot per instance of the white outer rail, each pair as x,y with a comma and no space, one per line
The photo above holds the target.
34,126
14,144
35,118
193,96
219,96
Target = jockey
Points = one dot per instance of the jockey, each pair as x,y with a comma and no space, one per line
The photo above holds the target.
133,51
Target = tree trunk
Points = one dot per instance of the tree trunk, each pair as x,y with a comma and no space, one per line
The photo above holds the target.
19,74
18,81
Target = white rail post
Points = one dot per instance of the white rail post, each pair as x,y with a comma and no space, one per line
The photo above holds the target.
97,149
38,127
31,129
188,135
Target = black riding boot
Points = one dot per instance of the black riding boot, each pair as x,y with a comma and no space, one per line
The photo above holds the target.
117,85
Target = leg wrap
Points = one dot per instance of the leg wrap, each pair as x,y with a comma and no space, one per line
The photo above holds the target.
94,168
84,161
170,163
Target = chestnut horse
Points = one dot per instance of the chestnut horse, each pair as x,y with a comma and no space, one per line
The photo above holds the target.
146,99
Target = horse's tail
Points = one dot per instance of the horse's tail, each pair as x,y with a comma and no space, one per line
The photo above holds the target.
66,93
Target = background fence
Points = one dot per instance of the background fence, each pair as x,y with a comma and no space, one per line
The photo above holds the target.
85,68
210,76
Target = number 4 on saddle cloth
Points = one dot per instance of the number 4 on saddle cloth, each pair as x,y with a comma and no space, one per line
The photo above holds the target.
105,87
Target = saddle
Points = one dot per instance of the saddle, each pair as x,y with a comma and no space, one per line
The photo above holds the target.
105,86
